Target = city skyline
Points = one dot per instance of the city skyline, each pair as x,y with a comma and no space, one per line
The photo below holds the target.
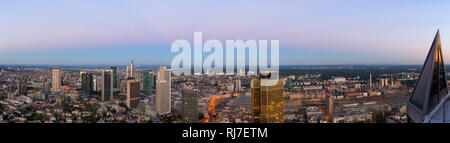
310,33
224,71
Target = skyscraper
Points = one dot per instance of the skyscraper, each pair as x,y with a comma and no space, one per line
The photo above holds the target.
132,93
148,83
370,81
115,78
94,83
131,69
330,107
392,80
22,87
189,105
429,101
56,80
155,77
107,92
163,91
267,101
128,72
238,85
45,85
86,83
138,77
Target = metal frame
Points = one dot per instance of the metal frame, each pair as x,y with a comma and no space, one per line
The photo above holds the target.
433,112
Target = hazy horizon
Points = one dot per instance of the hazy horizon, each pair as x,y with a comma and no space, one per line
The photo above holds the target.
140,65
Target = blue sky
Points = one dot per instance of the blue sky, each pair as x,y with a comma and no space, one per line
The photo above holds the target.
310,32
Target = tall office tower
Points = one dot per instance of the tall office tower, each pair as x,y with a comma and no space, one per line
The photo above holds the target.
163,91
238,85
22,87
370,80
148,83
155,77
107,90
128,72
86,83
56,80
94,84
267,101
131,69
392,80
115,78
330,107
189,105
138,77
45,84
429,101
132,93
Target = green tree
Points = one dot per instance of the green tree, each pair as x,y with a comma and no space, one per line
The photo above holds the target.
37,117
289,83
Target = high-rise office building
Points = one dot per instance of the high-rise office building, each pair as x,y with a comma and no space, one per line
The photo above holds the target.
138,77
56,80
267,100
86,83
131,69
148,84
45,85
330,107
132,93
107,90
115,78
189,105
238,85
429,100
94,84
22,87
163,91
155,77
128,72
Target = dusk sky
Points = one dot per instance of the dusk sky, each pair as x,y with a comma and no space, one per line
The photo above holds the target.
310,32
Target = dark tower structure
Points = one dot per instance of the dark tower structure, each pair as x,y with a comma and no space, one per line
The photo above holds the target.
87,83
428,101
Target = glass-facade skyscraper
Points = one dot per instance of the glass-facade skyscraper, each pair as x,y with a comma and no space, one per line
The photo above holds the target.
115,78
189,105
148,83
86,83
267,100
107,92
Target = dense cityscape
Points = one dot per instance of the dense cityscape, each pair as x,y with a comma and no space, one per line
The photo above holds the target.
224,71
151,94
